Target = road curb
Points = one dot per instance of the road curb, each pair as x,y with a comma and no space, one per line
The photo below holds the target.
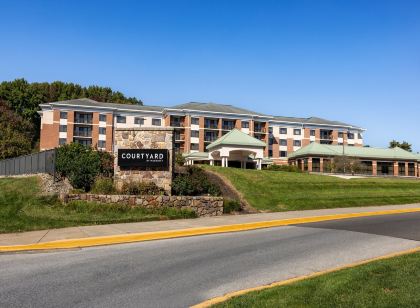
149,236
221,299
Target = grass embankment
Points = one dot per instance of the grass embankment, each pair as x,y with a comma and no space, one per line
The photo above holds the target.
285,191
386,283
23,209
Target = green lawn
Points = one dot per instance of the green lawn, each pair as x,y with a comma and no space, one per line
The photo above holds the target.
23,209
285,191
387,283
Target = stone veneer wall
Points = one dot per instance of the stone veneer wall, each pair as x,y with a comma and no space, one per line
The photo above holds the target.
144,138
201,205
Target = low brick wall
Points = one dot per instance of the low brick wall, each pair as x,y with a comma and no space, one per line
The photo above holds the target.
203,206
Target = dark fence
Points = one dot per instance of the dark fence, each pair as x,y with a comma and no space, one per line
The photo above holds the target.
42,162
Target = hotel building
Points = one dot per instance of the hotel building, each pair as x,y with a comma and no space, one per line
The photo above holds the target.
196,126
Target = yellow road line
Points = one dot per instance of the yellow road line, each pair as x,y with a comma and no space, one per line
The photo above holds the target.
149,236
228,296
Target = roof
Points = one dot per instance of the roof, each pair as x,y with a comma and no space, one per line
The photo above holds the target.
195,106
236,137
203,155
213,107
316,149
311,120
87,102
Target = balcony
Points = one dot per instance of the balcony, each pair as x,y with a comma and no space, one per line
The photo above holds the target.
179,137
82,133
228,127
261,130
177,124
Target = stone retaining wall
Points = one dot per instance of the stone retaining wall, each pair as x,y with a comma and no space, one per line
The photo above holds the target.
201,205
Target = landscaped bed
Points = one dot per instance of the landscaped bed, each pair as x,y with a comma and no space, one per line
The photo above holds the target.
22,208
285,191
386,283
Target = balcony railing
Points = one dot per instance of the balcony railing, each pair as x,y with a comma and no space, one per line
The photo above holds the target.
82,121
177,124
260,130
228,127
210,126
210,138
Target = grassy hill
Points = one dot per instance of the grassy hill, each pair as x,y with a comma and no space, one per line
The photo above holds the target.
286,191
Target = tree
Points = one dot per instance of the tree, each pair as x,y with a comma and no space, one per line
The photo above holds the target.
15,133
403,145
23,99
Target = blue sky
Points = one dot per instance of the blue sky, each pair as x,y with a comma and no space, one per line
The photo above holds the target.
353,61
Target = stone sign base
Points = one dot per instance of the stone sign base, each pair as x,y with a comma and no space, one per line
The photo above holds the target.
203,206
144,138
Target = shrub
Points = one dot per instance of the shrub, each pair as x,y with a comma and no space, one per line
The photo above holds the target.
230,206
103,186
194,183
141,188
287,168
179,159
81,164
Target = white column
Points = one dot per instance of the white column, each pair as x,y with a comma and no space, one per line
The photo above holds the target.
259,161
223,162
211,162
226,162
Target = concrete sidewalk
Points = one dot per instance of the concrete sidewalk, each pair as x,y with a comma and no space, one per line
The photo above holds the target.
44,236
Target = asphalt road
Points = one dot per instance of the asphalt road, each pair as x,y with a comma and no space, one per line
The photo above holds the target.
185,271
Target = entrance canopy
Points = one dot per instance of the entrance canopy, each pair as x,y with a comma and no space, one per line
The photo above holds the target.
236,146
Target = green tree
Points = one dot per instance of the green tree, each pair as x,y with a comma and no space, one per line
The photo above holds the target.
23,98
403,145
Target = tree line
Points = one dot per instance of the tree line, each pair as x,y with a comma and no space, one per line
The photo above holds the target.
19,106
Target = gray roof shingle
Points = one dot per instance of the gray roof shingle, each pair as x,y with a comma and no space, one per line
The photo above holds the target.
213,107
86,102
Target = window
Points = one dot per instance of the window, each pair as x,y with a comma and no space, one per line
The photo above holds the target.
194,146
360,136
83,131
63,115
156,122
297,131
85,142
270,141
102,117
63,128
297,143
195,133
245,124
270,130
101,144
83,117
312,133
350,136
411,169
62,141
340,134
139,121
283,130
121,119
195,121
270,153
102,130
283,154
283,142
340,143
